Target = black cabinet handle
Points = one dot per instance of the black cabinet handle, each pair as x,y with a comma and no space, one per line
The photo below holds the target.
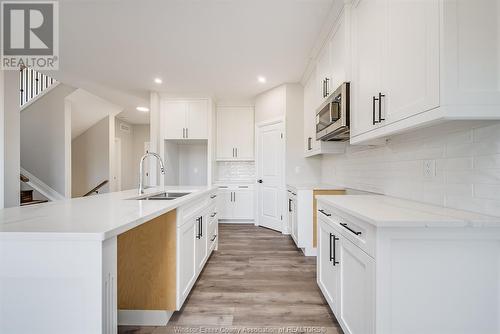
309,143
213,196
323,212
375,99
333,259
327,86
289,205
350,229
201,226
380,96
259,181
198,235
213,215
214,237
187,133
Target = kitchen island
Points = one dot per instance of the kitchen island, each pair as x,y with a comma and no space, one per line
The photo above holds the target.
84,265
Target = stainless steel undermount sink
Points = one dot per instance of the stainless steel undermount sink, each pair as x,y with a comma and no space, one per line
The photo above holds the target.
166,196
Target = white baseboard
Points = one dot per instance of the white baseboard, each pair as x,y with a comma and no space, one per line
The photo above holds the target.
310,251
143,317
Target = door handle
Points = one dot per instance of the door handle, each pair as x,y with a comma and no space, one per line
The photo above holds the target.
309,143
327,80
289,205
187,133
201,227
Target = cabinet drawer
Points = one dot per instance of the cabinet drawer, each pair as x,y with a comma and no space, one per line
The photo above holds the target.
361,233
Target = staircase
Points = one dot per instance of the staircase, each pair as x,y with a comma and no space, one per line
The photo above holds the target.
27,198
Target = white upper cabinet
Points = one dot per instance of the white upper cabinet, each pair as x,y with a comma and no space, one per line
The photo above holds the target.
173,115
324,74
197,119
339,49
410,58
235,133
367,39
184,119
417,63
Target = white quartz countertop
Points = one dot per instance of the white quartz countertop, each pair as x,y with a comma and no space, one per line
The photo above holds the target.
96,217
315,186
386,211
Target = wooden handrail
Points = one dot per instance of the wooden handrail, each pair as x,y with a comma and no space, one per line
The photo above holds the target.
95,189
24,178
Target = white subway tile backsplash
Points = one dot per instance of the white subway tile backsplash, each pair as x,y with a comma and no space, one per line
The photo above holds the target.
467,159
228,171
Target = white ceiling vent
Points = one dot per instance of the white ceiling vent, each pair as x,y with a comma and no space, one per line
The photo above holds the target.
125,127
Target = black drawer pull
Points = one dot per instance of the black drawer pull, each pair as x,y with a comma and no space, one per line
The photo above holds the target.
213,196
323,212
213,215
350,229
214,237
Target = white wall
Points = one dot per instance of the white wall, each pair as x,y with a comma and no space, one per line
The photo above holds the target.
298,169
132,150
270,104
467,159
91,158
45,139
11,139
2,100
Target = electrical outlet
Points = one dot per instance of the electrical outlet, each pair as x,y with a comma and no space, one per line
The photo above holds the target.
429,168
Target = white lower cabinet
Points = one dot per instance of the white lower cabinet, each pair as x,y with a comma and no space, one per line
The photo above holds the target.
201,246
408,278
196,226
357,288
236,202
327,264
187,248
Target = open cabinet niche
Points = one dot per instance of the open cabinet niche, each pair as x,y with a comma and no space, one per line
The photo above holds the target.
186,162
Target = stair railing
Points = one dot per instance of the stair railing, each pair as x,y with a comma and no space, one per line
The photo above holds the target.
96,188
32,83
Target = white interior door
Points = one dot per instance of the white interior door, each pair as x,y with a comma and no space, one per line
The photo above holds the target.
271,175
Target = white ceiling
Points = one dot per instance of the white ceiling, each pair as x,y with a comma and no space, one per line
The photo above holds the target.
88,109
217,47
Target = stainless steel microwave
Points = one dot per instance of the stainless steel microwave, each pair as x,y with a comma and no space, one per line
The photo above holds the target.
332,118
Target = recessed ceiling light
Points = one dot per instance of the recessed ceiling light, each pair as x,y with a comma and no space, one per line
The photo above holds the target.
143,109
158,80
261,79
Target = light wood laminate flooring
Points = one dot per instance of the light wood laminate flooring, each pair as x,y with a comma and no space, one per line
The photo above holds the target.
257,279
